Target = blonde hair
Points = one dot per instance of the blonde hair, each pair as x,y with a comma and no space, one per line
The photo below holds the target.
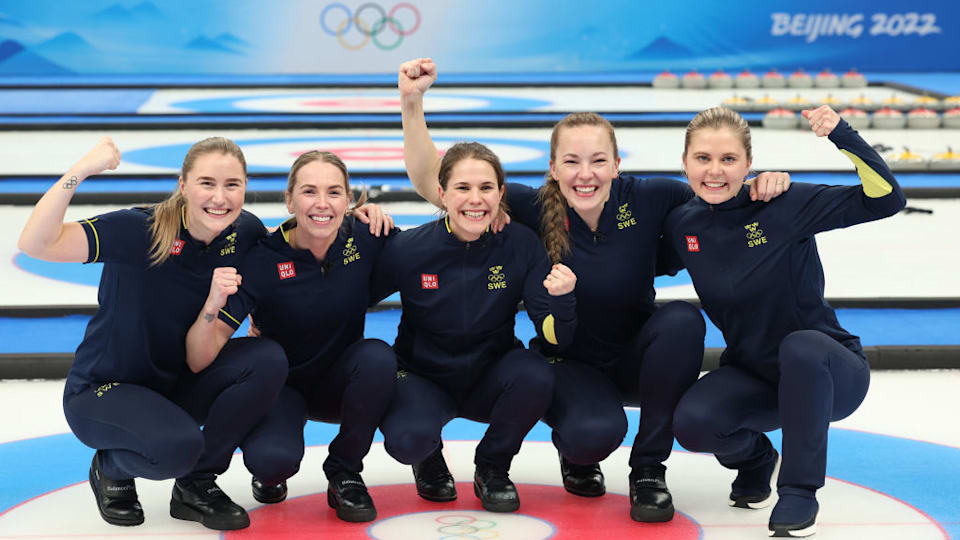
718,118
325,157
165,224
553,206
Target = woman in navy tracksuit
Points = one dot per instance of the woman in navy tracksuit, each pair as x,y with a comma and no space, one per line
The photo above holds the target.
788,362
308,287
460,286
129,393
606,227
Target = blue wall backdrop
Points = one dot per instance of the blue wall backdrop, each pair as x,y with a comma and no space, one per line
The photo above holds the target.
53,37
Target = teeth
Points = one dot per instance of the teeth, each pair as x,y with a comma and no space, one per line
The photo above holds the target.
474,214
217,211
585,189
321,219
715,184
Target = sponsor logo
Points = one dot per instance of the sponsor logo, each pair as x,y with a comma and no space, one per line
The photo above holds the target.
177,247
693,244
429,281
286,270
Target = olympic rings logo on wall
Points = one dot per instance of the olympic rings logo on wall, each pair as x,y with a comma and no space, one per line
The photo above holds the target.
370,20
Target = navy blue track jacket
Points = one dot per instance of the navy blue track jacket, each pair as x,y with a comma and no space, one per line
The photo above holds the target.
755,265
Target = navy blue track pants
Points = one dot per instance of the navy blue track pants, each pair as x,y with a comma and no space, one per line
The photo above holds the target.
142,433
727,411
354,391
510,396
660,364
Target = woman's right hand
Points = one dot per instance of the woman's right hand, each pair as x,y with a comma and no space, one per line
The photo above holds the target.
415,76
561,280
225,281
102,157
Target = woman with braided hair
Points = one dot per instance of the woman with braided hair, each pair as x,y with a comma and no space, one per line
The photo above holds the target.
606,228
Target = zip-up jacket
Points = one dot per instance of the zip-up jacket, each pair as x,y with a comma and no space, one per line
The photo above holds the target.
615,265
313,309
460,299
755,265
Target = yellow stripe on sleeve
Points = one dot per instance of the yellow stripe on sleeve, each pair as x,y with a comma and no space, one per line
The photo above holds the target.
874,185
548,331
96,239
230,316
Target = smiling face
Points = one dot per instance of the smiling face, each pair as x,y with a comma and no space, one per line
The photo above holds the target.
584,162
716,164
471,197
214,188
318,200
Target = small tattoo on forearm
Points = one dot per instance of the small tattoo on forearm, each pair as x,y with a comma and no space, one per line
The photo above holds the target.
208,317
71,183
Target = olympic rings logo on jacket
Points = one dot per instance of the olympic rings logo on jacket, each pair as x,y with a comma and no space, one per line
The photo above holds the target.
337,20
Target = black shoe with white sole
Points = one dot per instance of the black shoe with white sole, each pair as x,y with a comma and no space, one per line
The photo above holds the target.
795,514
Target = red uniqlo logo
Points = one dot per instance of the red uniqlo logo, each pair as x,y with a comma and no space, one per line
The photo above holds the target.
430,281
177,247
286,270
693,244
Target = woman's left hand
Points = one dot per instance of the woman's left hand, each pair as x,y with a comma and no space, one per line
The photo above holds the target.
822,120
768,185
373,215
501,220
561,280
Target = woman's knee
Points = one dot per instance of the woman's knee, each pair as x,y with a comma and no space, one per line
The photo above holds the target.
376,359
803,352
412,445
682,320
272,464
590,440
532,372
174,455
695,425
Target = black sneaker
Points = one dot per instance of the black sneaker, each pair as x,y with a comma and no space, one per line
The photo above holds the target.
582,480
268,494
751,488
347,494
433,478
650,500
495,490
203,501
116,499
795,514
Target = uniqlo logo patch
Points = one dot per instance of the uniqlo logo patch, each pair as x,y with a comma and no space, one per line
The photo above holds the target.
693,244
286,270
177,247
429,281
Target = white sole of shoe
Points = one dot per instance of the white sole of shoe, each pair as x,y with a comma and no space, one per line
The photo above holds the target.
798,533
